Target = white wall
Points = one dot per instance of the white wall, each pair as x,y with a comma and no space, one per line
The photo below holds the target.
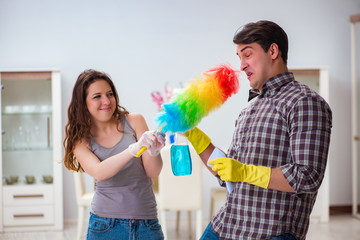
144,44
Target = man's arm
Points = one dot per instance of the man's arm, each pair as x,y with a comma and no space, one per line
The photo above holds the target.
278,181
205,156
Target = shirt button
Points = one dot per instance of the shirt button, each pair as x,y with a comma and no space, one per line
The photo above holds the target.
252,111
245,129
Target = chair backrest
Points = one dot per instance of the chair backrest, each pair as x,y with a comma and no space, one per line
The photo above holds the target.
79,182
180,192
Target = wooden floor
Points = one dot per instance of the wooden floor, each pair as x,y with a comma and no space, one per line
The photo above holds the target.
340,227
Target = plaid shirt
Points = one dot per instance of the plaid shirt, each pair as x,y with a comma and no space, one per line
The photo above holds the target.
288,126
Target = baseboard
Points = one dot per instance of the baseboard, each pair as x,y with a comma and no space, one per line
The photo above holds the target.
71,221
333,210
343,209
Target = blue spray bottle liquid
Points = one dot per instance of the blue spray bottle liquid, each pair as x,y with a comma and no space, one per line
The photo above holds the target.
180,156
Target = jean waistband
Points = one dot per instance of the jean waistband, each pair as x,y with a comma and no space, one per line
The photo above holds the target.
125,220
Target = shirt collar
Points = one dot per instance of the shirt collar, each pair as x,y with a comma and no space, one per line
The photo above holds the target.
272,84
253,93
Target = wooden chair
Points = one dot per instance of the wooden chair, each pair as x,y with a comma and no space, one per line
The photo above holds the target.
83,200
182,193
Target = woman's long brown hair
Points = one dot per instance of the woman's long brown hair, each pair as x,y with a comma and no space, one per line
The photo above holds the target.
79,122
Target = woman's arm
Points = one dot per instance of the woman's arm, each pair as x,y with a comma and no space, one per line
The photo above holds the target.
100,170
152,164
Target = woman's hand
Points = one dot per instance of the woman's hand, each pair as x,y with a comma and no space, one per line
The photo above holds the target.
158,144
146,140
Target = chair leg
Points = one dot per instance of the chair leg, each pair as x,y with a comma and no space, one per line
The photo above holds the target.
198,224
81,216
211,207
163,223
189,222
177,221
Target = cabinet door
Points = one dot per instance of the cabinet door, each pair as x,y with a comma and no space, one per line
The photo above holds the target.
26,107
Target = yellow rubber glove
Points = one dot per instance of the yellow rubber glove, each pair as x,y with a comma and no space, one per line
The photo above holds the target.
198,139
234,171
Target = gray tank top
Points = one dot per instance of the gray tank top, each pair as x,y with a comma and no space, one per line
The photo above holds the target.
128,194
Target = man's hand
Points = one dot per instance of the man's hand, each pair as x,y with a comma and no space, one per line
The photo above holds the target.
234,171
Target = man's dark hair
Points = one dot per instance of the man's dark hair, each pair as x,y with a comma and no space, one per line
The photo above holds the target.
264,33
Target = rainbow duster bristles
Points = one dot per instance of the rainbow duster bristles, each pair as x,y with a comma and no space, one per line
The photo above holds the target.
201,96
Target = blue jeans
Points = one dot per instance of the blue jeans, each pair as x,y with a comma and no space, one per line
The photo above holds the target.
210,235
115,228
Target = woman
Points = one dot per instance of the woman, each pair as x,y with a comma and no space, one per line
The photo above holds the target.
102,139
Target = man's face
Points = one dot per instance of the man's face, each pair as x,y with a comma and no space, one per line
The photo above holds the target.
256,63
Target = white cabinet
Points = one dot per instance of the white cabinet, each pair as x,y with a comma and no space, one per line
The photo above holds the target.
31,170
355,76
318,80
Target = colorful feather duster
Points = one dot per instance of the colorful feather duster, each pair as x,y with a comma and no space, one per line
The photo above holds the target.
201,96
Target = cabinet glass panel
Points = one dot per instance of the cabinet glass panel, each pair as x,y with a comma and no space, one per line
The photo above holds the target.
26,128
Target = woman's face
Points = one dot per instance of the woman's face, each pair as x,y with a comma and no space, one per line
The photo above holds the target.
100,101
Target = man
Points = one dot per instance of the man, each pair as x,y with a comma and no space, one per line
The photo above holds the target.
278,154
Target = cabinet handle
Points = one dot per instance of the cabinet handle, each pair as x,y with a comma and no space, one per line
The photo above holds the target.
357,138
28,215
2,87
48,132
29,196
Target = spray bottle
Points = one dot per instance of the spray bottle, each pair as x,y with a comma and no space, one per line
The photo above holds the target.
217,153
180,155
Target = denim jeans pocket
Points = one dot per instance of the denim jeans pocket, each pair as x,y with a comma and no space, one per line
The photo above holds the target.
99,224
153,224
